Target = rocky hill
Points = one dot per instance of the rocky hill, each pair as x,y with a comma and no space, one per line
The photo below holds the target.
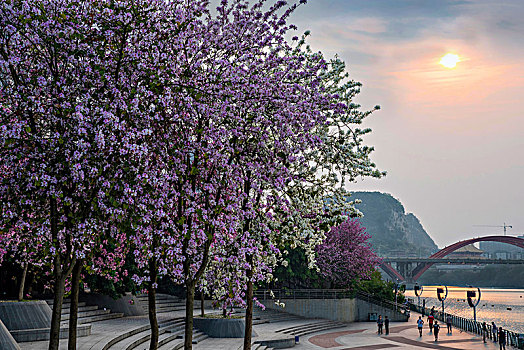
393,231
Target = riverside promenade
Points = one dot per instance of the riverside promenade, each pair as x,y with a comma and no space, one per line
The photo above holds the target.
354,336
403,335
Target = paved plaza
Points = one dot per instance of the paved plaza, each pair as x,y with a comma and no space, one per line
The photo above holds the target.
403,335
354,336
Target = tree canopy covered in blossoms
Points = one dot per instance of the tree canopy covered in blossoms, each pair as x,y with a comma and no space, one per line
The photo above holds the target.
201,140
346,255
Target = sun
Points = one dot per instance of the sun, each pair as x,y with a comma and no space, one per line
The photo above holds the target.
450,60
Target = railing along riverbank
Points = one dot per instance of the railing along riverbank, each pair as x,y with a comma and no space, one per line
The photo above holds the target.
512,338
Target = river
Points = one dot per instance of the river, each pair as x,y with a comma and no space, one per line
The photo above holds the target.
505,307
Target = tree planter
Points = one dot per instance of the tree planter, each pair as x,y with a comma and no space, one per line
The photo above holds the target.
221,327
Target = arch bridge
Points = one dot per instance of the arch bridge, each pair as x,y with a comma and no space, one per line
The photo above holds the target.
414,268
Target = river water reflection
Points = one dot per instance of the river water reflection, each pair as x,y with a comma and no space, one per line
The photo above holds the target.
505,307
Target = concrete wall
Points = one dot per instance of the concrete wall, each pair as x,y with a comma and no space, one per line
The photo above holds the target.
364,309
343,310
25,314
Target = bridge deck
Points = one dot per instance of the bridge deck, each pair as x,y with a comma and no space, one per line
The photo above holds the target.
453,260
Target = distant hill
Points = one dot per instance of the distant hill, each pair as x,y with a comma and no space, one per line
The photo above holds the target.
393,231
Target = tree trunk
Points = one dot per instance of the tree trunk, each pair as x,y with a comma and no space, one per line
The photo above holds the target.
151,298
73,310
30,278
202,304
56,317
22,282
58,288
249,308
190,300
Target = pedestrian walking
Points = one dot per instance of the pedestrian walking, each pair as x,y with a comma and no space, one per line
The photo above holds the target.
432,312
423,307
494,330
502,339
380,324
386,324
430,322
420,325
436,329
448,324
484,331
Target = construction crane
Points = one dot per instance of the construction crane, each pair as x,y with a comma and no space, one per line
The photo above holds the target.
505,226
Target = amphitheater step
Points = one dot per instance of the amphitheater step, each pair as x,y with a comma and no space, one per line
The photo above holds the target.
137,336
66,304
164,303
309,328
86,313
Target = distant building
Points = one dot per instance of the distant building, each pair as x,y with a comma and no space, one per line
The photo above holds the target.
469,251
497,250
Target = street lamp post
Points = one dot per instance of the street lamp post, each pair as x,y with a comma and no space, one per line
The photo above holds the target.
396,293
471,295
442,297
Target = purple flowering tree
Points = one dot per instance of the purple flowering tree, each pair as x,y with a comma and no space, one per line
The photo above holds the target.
300,205
187,129
63,89
346,255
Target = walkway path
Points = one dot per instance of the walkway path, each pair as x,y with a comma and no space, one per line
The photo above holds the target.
355,336
363,336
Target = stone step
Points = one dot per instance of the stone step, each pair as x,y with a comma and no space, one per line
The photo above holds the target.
97,318
80,309
136,340
140,335
162,302
317,329
169,339
166,334
65,304
303,326
158,297
82,315
145,328
178,342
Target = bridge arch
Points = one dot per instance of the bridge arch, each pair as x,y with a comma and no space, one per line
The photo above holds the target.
518,242
420,269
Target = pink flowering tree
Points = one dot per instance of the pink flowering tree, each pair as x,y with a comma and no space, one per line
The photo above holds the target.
346,255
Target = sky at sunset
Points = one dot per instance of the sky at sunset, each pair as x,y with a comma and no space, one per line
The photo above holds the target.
451,139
